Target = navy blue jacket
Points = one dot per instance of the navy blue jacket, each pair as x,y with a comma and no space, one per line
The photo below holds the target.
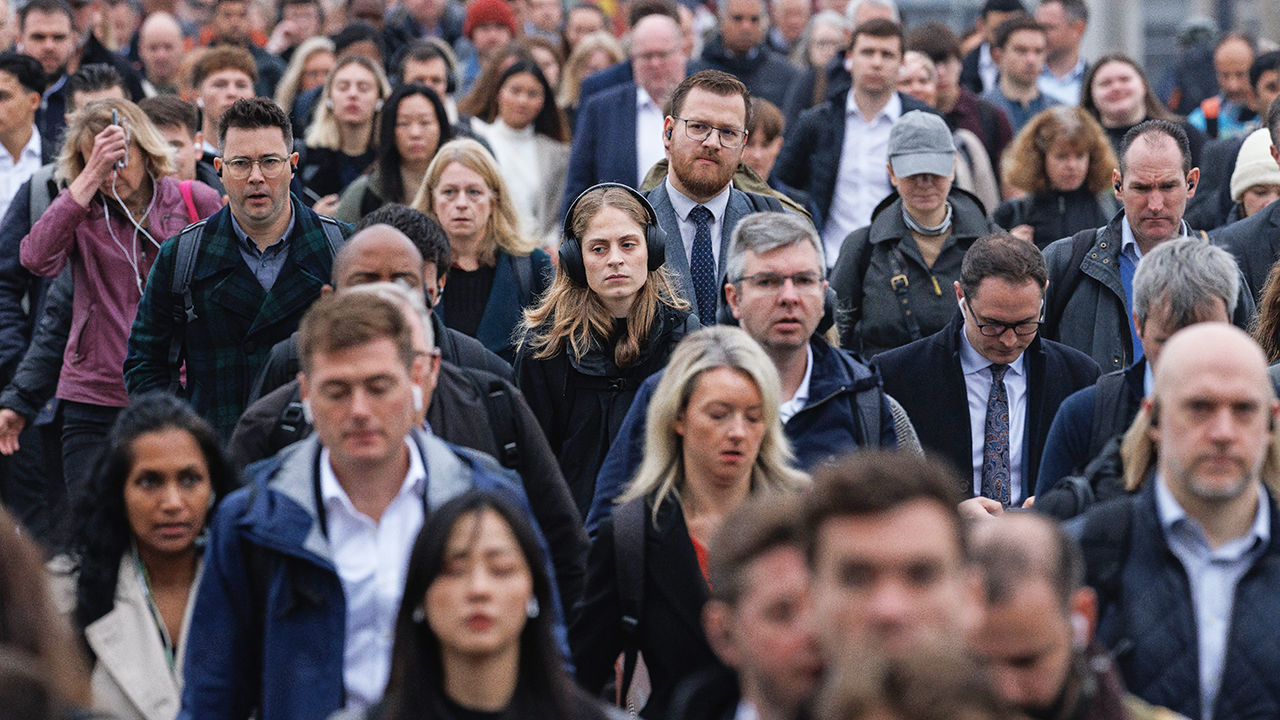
825,427
611,76
926,378
765,73
508,299
1255,243
604,148
1147,620
275,643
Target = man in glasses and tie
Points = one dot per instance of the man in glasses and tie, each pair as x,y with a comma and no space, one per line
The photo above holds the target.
983,391
227,289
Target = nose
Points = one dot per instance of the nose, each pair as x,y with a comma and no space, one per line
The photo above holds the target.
255,174
615,255
360,403
1222,426
788,293
737,426
888,605
170,497
478,580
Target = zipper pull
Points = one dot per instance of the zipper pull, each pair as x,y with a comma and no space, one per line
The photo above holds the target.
936,290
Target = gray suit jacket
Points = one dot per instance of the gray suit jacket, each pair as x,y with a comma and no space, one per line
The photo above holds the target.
677,263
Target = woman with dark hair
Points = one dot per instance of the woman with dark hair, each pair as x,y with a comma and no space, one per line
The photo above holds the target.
1062,160
132,562
516,113
473,638
609,320
414,125
1116,92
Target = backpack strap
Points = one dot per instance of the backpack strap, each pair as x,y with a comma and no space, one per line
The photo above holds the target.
183,313
332,233
898,283
184,187
497,401
43,188
1067,283
628,550
524,278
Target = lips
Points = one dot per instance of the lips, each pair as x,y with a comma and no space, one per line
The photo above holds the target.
173,530
478,622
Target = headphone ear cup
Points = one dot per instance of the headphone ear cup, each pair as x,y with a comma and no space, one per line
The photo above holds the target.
571,263
655,243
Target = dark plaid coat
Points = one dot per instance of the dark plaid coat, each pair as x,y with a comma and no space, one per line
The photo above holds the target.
237,322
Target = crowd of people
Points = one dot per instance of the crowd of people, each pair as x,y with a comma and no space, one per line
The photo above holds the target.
750,359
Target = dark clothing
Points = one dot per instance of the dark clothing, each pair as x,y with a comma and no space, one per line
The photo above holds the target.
95,52
518,282
1255,243
580,402
670,635
460,414
842,392
712,694
1077,436
84,440
1146,616
400,28
1195,137
325,171
468,294
766,74
970,76
939,408
1212,205
1019,114
611,76
236,321
270,70
872,317
810,157
1055,214
983,119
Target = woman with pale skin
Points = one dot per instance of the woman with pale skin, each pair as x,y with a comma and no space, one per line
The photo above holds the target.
342,140
308,69
1116,92
610,319
497,271
712,439
594,53
473,635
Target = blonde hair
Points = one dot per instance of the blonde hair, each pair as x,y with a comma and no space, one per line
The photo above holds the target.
324,130
573,314
662,471
85,124
502,231
573,74
287,90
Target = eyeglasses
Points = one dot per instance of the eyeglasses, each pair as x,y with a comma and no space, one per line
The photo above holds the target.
700,131
240,168
773,282
996,329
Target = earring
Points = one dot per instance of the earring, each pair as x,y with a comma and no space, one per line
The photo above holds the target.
419,615
532,609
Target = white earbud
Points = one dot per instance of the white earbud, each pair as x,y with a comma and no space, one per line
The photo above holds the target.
1079,630
306,412
417,399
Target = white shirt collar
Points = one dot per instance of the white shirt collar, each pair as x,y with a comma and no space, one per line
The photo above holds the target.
335,498
891,111
789,408
746,711
1129,243
972,362
644,101
683,204
1075,73
33,148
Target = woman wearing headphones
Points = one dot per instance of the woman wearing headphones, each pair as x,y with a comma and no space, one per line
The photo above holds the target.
609,320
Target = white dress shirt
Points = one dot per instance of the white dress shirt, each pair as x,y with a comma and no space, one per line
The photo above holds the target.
16,170
683,205
788,409
649,147
863,178
371,559
1213,574
746,711
1065,89
977,383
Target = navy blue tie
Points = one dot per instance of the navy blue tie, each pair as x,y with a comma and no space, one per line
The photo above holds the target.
703,265
996,474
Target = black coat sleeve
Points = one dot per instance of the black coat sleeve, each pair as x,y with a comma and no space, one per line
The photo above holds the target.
36,378
595,633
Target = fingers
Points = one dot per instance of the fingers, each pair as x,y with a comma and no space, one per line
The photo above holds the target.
978,508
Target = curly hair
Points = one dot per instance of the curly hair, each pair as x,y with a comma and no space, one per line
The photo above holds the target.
1024,167
98,532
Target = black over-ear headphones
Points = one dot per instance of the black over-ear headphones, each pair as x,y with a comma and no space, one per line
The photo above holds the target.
655,241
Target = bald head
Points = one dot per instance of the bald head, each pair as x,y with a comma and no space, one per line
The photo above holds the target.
379,253
1212,346
160,47
1015,548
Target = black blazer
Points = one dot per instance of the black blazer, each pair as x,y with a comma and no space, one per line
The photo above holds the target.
939,406
670,635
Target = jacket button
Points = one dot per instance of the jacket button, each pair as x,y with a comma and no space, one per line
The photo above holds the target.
1094,256
1106,260
1102,245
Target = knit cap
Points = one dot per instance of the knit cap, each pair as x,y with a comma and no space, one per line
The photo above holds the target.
489,12
1254,164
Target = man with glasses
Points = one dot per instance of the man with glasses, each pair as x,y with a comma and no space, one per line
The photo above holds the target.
244,276
983,391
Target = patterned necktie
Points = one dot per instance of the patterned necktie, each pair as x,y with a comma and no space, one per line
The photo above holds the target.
703,265
995,442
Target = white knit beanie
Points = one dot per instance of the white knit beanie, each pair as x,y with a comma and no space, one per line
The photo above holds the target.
1254,164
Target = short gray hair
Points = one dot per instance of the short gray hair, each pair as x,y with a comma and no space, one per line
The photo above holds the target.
764,231
403,298
1184,274
851,10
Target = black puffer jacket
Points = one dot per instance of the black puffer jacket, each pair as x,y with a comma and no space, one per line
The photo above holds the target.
872,317
1056,214
581,402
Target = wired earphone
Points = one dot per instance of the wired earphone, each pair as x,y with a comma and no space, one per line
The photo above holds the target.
132,258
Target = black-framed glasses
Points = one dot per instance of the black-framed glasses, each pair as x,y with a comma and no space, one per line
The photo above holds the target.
241,167
996,329
773,282
700,131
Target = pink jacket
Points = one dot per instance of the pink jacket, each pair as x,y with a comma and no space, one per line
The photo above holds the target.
106,292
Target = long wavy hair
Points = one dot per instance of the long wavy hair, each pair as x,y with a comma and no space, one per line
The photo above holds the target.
287,89
502,232
1154,109
98,532
1024,167
1266,324
573,315
483,98
385,170
324,130
415,688
662,471
85,124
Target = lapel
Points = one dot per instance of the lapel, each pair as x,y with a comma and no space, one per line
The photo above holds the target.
1273,237
1103,263
738,208
305,271
675,565
502,311
625,161
677,263
128,647
235,290
1036,423
957,440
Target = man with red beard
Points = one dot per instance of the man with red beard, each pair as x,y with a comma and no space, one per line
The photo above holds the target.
697,205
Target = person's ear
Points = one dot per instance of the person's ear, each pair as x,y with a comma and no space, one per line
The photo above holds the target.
1275,154
1116,182
35,99
199,139
959,292
1084,616
1193,181
717,622
293,162
668,124
217,165
325,289
731,297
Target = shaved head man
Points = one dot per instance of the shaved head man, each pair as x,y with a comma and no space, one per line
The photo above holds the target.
160,45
